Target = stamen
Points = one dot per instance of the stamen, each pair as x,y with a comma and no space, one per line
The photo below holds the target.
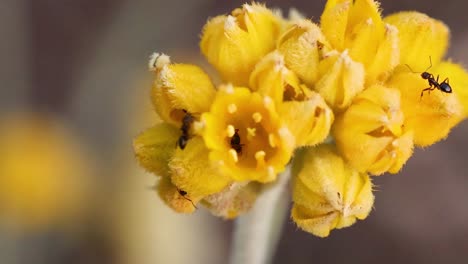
257,117
260,157
232,108
233,155
271,140
230,130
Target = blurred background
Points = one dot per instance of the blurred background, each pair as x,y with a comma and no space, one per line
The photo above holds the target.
74,92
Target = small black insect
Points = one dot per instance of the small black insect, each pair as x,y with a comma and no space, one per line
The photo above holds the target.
444,86
187,121
236,142
184,194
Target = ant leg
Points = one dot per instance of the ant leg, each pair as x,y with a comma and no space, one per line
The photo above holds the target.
437,81
446,81
429,89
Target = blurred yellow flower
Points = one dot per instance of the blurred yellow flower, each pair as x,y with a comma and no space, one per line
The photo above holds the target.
44,175
285,84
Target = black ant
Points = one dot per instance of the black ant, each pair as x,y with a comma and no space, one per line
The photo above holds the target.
184,194
186,122
433,83
236,142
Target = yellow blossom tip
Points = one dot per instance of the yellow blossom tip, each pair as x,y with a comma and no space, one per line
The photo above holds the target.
157,61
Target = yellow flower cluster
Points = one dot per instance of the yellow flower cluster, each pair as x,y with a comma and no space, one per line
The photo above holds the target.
339,101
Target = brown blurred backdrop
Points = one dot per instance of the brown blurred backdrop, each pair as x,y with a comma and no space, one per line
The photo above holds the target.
85,61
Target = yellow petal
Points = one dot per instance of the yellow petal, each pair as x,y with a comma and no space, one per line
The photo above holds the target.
233,44
341,80
265,144
309,121
328,193
431,116
302,45
420,37
370,133
179,86
269,76
236,199
458,78
154,147
193,172
386,57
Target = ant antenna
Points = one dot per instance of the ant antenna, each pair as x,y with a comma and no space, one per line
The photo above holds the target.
410,68
430,61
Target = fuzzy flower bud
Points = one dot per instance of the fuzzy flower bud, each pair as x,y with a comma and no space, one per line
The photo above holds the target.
328,193
341,80
177,87
233,44
302,45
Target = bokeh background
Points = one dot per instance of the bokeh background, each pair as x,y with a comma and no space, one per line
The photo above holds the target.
74,91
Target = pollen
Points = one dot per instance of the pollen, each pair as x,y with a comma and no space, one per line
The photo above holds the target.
232,108
257,117
251,132
233,155
230,130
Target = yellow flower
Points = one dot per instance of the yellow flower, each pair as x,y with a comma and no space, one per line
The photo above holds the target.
44,172
327,192
357,26
179,87
430,117
423,41
246,136
370,134
233,44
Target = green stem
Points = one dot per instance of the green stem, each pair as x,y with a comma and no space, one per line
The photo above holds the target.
257,233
